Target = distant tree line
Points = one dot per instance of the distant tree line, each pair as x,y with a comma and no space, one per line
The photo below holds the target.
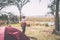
3,17
10,17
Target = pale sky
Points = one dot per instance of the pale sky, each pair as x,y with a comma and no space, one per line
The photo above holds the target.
32,8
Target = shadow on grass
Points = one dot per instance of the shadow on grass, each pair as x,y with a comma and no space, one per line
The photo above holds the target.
33,38
57,38
56,32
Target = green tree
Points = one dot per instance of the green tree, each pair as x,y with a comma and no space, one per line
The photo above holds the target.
52,7
55,8
12,18
3,17
19,3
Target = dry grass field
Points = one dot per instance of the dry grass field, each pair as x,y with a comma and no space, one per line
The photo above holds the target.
40,19
39,32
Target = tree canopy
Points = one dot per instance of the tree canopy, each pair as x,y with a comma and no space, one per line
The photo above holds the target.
52,6
3,3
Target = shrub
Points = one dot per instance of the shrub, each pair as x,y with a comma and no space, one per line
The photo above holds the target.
46,25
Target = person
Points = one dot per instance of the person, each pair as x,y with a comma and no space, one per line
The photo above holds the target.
10,33
7,22
23,24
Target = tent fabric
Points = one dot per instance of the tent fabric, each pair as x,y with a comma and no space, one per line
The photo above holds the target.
2,30
11,33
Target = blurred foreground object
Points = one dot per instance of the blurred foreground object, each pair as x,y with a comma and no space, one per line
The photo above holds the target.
10,33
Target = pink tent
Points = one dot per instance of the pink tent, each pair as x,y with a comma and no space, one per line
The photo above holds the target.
10,33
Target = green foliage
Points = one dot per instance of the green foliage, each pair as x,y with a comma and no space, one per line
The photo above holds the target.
52,7
13,18
8,2
2,1
3,17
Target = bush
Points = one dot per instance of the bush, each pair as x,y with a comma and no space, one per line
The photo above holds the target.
46,25
28,25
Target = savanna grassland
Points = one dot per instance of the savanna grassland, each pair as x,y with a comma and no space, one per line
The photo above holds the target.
37,31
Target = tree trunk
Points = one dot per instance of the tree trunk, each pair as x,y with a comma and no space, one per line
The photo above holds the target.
20,8
57,16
